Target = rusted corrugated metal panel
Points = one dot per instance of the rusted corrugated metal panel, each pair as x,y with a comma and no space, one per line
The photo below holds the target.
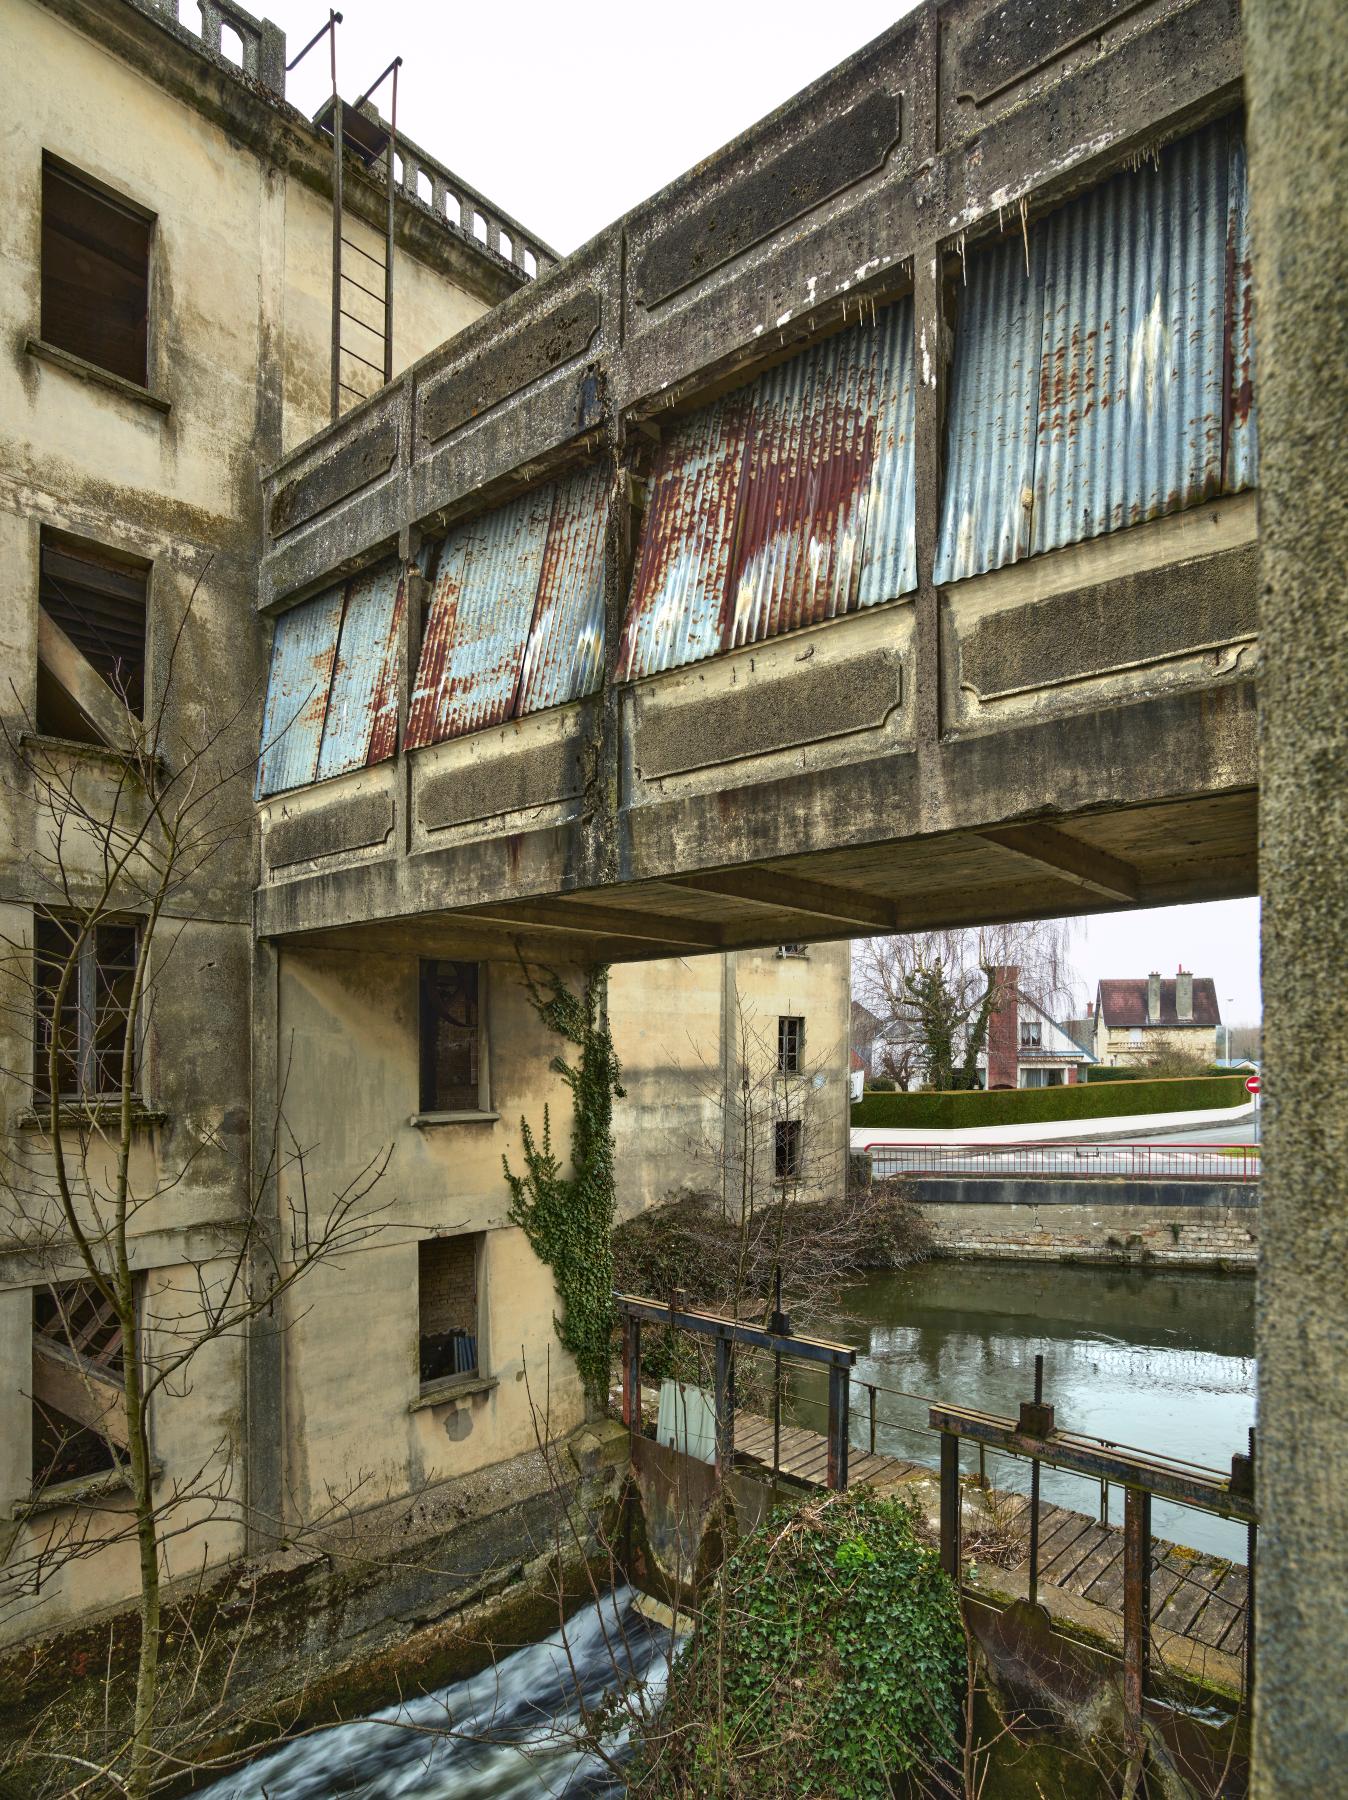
358,696
781,505
1091,388
304,647
481,608
1242,435
566,643
384,705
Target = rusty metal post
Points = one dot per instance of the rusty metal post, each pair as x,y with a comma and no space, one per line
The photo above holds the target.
950,1506
839,1383
1136,1601
725,1406
337,128
1251,1555
870,1387
632,1375
776,1414
1034,1489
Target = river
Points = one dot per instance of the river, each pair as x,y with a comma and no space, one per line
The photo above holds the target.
1158,1359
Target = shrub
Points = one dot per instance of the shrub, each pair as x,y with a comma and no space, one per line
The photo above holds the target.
1030,1106
827,1661
881,1084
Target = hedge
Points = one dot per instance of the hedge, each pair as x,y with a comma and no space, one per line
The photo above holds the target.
1106,1072
1031,1106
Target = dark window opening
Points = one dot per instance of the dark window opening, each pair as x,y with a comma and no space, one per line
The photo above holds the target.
99,602
447,1307
787,1149
790,1044
79,1385
90,1026
95,274
790,949
451,1047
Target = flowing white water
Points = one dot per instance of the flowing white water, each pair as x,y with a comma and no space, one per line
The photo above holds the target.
503,1734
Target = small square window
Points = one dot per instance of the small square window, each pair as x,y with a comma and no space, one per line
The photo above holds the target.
790,1044
95,1010
95,274
79,1385
790,949
452,1071
787,1149
447,1307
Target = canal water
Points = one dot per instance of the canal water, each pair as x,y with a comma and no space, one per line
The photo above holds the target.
1162,1360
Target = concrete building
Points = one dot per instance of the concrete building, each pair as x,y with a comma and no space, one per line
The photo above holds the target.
168,283
1137,1019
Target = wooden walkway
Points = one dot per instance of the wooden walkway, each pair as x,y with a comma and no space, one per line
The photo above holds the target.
1198,1598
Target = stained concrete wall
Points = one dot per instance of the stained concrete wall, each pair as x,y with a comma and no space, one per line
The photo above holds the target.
1297,82
685,1032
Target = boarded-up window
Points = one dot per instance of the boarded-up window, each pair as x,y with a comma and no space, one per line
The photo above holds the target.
99,603
95,274
451,1038
79,1384
787,1149
90,1023
447,1306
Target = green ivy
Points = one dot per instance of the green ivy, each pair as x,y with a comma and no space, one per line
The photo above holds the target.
829,1658
569,1218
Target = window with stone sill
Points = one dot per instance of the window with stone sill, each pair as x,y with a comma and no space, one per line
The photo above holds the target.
89,1026
95,273
453,1040
447,1307
78,1385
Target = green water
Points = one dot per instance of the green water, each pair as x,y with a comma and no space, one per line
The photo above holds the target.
1159,1360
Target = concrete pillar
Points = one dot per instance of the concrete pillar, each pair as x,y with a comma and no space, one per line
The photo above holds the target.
1297,90
16,1406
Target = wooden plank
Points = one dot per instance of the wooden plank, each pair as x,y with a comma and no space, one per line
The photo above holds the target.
1187,1598
1076,1555
1096,1563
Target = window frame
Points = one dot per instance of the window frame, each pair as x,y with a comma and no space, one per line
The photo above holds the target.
118,201
434,1113
790,1043
788,1150
87,1055
101,559
94,1370
434,1384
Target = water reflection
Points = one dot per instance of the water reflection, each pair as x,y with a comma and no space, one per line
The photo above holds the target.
1162,1360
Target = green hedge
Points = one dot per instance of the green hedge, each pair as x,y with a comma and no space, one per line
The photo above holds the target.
1032,1106
1104,1072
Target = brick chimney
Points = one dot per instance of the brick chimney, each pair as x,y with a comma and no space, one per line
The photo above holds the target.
1184,994
1154,997
1004,1030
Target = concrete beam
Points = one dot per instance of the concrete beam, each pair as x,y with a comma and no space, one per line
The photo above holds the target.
1049,848
794,894
602,921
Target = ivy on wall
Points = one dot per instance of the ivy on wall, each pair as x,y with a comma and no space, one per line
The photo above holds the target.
568,1218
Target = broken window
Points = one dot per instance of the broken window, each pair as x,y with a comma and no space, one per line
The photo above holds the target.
447,1306
94,1016
790,949
95,274
787,1149
451,1038
790,1044
79,1384
97,603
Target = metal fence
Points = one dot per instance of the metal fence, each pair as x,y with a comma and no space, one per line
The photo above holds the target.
1069,1161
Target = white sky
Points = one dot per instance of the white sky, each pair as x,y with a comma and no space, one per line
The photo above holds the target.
567,114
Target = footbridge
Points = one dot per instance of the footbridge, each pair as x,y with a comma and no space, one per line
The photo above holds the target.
859,535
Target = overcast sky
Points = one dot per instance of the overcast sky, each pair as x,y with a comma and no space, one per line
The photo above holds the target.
567,114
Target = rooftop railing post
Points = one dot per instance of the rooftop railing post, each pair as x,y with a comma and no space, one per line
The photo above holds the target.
839,1384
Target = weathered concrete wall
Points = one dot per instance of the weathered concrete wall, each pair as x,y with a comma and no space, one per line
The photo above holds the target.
685,1031
1298,95
1187,1224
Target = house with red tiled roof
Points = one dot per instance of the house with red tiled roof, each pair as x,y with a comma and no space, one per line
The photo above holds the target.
1137,1017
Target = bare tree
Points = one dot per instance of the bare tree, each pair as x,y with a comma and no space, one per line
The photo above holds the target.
934,991
121,860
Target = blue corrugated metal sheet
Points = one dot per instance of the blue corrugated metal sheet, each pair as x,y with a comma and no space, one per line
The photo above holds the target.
1242,436
356,704
516,617
1091,388
783,504
303,648
565,652
332,702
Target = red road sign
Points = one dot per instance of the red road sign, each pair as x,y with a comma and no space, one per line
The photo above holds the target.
1251,1084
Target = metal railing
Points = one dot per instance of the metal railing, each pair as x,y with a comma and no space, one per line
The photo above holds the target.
1070,1161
